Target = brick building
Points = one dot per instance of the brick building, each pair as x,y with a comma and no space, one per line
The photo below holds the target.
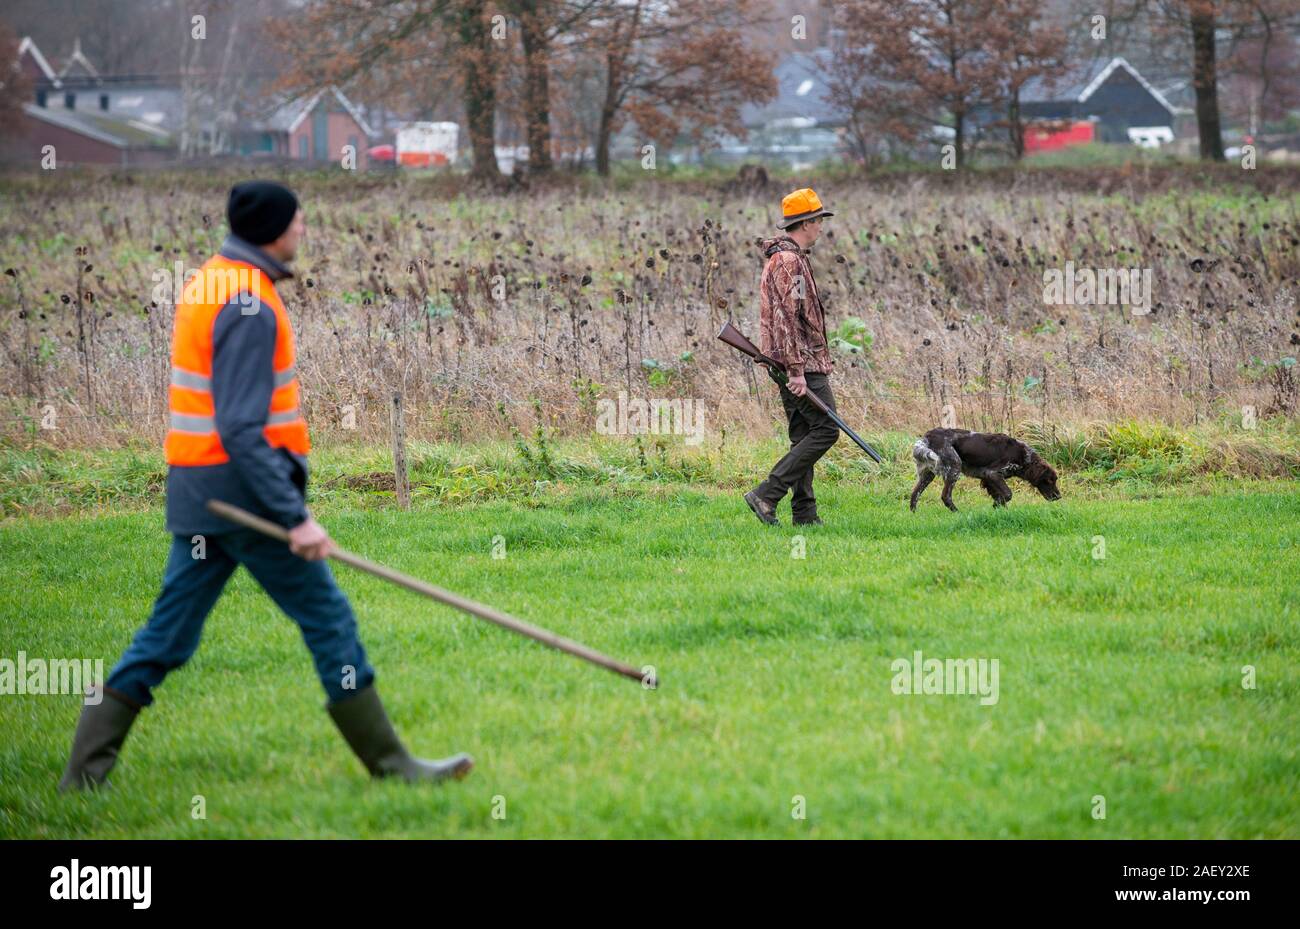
312,129
76,116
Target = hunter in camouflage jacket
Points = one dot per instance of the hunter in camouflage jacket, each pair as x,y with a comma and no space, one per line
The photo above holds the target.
792,320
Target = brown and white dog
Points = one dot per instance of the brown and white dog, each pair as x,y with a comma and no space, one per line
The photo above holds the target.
990,456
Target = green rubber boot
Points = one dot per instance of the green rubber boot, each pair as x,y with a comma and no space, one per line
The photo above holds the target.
370,735
101,730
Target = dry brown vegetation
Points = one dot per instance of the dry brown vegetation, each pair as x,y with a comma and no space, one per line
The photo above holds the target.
622,287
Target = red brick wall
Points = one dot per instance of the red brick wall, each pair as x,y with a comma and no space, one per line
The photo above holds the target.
343,129
302,132
23,146
340,127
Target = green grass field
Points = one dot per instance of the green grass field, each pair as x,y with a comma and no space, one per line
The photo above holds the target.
1119,677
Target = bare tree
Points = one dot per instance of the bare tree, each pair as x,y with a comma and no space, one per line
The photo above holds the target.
1262,76
1202,16
680,66
1211,41
541,24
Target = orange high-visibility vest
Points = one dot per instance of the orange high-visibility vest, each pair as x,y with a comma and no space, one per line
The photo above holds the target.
192,438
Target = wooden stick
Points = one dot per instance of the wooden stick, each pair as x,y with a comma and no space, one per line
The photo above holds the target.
401,478
538,634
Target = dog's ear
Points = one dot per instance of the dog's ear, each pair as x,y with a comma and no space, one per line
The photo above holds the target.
1046,484
1037,470
1042,477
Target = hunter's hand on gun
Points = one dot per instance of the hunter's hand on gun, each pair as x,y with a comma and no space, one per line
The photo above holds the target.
797,384
310,541
733,337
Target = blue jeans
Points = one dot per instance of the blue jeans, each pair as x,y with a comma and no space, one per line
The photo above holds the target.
305,590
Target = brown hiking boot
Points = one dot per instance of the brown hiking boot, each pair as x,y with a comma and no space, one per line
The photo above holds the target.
762,509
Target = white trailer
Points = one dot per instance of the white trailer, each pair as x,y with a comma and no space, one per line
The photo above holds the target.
427,145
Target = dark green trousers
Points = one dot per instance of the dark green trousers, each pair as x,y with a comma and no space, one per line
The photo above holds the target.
812,433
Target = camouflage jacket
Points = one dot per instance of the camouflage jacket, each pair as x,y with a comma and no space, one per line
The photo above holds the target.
792,320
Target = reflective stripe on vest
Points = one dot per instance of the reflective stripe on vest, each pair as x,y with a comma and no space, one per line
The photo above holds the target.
192,438
183,378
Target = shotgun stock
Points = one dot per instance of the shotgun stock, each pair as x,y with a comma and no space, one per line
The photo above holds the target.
733,337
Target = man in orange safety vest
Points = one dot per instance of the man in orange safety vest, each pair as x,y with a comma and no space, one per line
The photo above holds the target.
237,434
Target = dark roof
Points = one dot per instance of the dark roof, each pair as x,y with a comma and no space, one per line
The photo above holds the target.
288,115
121,133
1081,82
802,92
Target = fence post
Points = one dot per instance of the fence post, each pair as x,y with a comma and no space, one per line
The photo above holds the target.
402,479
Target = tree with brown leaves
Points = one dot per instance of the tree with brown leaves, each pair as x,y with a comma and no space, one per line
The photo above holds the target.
926,60
15,88
386,42
1028,47
677,67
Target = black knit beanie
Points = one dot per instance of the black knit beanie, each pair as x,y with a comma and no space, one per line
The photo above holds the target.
260,211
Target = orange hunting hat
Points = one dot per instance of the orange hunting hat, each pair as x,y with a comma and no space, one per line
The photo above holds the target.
800,205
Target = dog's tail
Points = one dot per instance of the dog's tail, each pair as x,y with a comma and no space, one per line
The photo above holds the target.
923,454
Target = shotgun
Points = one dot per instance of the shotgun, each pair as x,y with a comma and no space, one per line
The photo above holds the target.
733,337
